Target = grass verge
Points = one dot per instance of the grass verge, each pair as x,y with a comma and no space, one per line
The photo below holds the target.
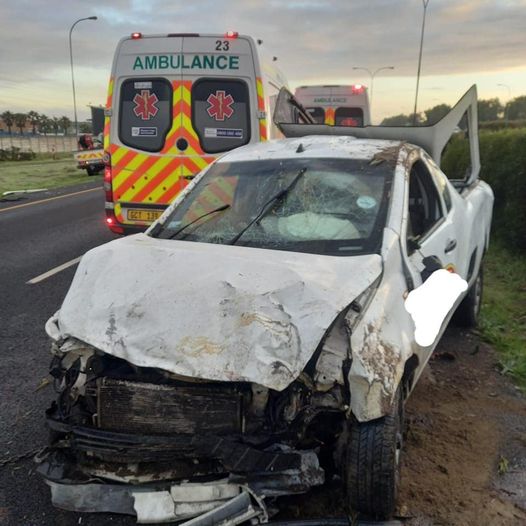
503,315
27,175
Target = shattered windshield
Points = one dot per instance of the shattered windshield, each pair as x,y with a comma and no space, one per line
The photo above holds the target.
319,206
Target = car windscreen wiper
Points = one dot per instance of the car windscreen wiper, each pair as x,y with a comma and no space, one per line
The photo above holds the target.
184,227
269,205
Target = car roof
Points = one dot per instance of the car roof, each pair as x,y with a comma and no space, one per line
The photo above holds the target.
311,146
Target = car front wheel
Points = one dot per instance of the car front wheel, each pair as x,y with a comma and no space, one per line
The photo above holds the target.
372,465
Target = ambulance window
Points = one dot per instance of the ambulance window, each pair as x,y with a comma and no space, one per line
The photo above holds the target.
318,114
221,114
348,117
145,113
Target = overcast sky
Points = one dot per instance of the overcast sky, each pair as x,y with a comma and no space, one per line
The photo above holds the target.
317,42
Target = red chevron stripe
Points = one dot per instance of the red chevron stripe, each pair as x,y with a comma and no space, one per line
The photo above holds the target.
143,193
172,192
134,176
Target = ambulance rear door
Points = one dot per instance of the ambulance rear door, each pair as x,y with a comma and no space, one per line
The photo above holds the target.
220,97
146,171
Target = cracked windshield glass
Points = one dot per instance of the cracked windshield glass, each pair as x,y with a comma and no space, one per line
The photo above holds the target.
334,207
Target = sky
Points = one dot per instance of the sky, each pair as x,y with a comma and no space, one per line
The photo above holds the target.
466,42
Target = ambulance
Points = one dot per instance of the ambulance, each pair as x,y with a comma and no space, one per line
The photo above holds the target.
336,105
175,103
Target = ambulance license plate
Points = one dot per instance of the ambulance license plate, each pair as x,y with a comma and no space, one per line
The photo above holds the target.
143,215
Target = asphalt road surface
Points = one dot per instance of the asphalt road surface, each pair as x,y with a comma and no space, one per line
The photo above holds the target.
37,235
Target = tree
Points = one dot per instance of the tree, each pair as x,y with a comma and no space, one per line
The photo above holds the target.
55,124
45,123
516,108
85,127
9,120
65,123
489,109
20,121
397,120
402,120
434,114
34,119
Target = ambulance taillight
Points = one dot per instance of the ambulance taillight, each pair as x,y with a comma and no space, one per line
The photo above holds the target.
357,89
231,34
108,191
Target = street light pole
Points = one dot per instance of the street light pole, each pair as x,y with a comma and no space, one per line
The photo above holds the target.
506,108
372,75
425,3
72,76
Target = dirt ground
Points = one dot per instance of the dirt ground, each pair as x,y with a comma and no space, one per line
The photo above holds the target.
465,451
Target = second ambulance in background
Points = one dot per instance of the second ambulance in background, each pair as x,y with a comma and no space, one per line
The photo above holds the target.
176,102
336,105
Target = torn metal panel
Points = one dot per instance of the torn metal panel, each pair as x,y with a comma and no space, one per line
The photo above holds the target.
381,342
237,510
260,322
432,138
154,505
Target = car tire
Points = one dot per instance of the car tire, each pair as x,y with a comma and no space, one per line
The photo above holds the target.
467,312
372,463
92,170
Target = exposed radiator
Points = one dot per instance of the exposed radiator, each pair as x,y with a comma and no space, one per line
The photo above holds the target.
144,408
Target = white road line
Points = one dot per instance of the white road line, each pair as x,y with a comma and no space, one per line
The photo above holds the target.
49,199
53,271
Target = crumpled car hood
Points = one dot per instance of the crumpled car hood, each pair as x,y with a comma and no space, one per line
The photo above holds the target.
209,311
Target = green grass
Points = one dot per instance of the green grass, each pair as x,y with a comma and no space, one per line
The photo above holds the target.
503,315
27,175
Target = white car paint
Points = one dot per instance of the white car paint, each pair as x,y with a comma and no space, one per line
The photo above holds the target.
228,313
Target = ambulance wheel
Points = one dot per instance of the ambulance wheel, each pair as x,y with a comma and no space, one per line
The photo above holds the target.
468,311
92,170
372,464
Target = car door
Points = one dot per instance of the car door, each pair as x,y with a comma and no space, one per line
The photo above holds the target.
429,232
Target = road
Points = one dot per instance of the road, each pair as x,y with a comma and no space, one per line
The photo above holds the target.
36,236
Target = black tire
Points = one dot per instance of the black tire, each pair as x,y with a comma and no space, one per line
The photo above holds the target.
467,312
372,465
91,170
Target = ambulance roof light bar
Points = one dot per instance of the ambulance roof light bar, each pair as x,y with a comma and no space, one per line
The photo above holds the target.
231,34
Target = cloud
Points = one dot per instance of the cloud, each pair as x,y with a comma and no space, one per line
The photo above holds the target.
315,41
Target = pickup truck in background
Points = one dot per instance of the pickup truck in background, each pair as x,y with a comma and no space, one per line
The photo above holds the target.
90,154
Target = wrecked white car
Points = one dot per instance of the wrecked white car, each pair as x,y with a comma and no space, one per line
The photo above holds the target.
254,341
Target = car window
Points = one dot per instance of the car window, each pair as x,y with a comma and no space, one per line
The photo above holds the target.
348,117
221,114
145,113
441,182
317,113
425,209
334,206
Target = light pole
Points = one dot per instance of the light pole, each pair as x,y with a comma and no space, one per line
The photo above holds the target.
372,75
507,104
425,3
72,76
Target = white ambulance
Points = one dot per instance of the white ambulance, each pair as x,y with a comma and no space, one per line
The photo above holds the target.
176,102
336,105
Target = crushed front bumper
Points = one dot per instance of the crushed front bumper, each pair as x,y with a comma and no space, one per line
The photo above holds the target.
240,469
210,502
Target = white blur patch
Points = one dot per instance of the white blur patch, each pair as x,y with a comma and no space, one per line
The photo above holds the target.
430,303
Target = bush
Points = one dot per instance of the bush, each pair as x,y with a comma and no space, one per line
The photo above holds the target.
16,154
503,162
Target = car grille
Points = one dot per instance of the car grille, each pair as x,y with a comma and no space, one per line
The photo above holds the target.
136,407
